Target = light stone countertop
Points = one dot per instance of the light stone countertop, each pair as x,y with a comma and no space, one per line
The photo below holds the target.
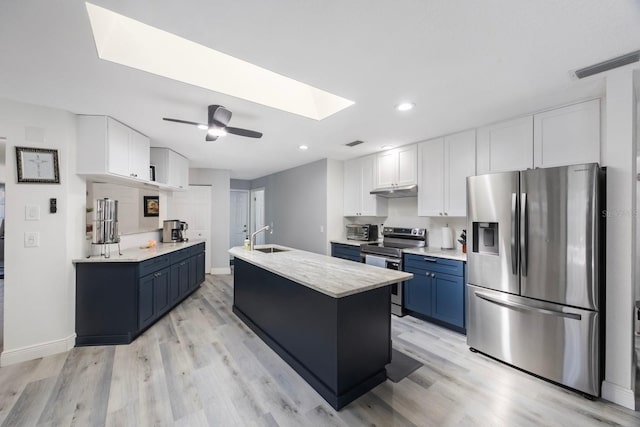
439,253
351,242
334,277
137,254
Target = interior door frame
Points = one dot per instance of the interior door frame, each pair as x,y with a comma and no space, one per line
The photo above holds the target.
248,193
252,208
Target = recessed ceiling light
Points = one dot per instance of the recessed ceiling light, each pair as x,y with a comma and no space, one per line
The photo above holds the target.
128,42
386,147
203,127
405,106
303,147
217,132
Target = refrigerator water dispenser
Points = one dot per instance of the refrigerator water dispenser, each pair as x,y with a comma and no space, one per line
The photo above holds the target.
485,238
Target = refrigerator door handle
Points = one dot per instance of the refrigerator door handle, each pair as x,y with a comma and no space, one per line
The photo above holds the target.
514,233
524,307
524,233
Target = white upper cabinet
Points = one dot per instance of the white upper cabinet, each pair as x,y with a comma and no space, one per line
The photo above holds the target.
358,183
172,169
568,135
443,167
505,146
431,177
459,163
107,147
397,167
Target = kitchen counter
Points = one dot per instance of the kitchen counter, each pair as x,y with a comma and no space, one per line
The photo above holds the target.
351,242
438,252
137,254
328,318
334,277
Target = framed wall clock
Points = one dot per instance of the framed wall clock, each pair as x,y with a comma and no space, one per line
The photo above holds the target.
37,165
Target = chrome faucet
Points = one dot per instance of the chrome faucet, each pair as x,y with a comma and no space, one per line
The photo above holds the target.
253,235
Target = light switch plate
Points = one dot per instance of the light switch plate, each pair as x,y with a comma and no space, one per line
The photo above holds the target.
32,212
31,239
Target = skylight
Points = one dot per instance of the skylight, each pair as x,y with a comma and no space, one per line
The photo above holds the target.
129,42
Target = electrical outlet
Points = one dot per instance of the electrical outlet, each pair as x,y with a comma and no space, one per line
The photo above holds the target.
31,239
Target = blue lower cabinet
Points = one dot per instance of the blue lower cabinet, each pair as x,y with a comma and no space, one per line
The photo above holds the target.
349,252
448,299
417,294
145,301
434,293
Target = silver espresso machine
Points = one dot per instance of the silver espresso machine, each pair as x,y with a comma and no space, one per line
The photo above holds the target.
174,230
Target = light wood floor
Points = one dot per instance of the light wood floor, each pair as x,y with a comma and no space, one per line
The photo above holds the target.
201,366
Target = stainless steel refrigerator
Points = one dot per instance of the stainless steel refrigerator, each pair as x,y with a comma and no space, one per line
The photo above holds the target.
533,287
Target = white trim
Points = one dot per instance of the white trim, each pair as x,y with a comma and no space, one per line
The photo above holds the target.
31,352
221,270
619,395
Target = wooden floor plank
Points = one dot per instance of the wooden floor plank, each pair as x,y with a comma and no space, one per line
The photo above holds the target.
201,366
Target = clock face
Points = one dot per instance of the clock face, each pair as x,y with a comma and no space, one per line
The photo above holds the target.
37,165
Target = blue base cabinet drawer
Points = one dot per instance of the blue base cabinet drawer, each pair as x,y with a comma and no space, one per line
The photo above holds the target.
437,291
349,252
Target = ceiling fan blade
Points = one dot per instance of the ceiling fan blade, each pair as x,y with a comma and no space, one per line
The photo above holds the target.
243,132
210,138
183,121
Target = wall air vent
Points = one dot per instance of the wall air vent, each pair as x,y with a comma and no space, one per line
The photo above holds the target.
609,64
354,143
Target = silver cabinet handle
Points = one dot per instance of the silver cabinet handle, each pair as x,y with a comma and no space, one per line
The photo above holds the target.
446,214
514,231
524,234
433,274
440,213
524,307
431,259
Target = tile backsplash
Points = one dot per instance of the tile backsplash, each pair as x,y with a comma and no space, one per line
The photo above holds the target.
403,212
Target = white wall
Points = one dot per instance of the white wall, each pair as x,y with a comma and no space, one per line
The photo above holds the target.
335,201
40,282
620,149
220,182
403,212
3,167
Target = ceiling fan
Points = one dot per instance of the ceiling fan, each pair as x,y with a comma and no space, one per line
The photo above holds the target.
216,127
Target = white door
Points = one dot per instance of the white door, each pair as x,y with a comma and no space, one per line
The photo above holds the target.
352,187
257,214
505,146
139,155
407,165
118,143
194,207
386,169
238,217
459,163
431,187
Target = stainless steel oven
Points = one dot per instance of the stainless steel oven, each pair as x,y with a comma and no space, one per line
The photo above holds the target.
388,254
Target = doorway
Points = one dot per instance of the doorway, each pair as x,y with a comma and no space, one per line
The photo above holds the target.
194,207
238,218
257,214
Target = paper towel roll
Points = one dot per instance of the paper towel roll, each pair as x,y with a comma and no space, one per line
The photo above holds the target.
447,238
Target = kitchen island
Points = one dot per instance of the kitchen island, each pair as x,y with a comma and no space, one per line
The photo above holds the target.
328,318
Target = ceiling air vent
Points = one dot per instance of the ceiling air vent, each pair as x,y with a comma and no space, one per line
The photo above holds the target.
354,143
609,64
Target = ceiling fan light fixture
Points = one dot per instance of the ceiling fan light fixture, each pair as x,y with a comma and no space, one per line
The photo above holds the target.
303,147
203,127
216,132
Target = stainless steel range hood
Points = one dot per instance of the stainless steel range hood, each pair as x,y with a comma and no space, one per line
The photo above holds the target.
395,192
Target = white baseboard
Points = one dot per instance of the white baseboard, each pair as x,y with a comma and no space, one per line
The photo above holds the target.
221,270
619,395
10,357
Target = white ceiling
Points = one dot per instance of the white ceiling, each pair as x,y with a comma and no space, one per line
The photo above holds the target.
464,63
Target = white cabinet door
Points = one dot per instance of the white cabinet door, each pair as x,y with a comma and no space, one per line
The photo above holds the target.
118,148
178,170
407,165
139,155
371,205
386,169
506,146
431,174
568,135
459,163
352,187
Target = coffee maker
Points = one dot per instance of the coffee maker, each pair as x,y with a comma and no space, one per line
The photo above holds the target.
174,230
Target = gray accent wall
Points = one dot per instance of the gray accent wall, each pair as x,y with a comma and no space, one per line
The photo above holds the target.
296,203
240,184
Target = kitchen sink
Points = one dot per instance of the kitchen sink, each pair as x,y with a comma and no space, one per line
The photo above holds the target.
271,250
